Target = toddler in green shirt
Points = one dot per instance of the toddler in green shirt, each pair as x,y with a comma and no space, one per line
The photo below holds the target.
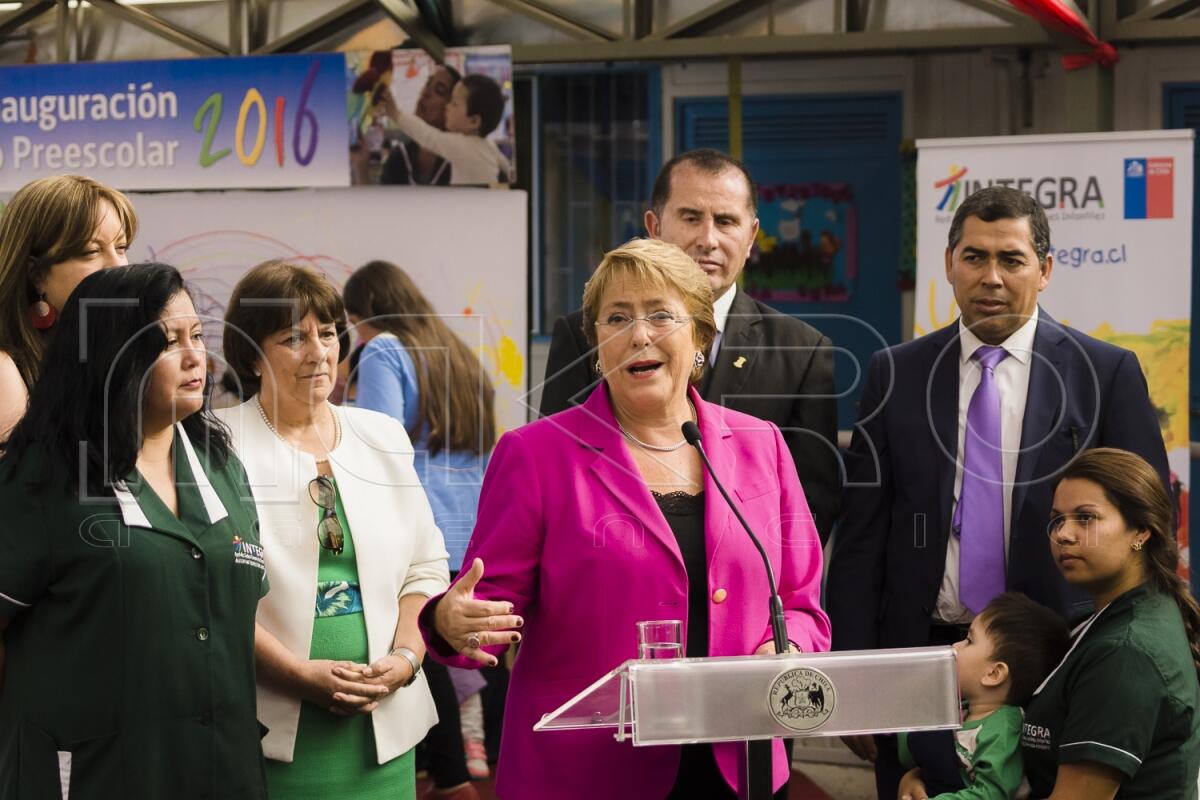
1010,648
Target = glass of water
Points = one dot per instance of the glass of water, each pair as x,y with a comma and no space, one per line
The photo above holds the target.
660,638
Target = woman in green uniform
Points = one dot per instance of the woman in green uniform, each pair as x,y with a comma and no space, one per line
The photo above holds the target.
1120,716
354,549
130,568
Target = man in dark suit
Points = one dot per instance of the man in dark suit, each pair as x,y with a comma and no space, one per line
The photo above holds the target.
912,554
763,363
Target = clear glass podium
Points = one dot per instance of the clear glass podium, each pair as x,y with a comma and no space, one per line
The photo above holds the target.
759,698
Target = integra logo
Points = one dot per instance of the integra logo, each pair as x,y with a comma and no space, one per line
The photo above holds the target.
1050,192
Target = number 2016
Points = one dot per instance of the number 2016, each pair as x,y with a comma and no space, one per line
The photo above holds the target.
253,100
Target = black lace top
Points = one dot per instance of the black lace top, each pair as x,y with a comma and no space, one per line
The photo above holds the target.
685,515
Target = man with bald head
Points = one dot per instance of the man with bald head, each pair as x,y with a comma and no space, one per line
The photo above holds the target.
763,363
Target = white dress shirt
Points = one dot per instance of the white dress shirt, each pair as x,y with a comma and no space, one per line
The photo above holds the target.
721,308
1012,380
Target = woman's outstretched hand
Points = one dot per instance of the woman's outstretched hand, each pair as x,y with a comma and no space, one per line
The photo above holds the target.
469,625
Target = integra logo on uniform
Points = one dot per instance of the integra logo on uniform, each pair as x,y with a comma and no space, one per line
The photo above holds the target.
1035,737
248,553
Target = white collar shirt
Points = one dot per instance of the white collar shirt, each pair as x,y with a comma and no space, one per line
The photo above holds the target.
721,308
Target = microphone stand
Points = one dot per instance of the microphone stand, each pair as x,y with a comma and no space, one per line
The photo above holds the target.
756,766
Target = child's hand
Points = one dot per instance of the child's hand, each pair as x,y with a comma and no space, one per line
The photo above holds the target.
383,100
912,787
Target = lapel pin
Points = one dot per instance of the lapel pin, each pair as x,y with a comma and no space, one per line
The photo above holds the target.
741,362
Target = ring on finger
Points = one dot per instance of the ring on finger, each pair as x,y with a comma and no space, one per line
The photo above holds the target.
473,641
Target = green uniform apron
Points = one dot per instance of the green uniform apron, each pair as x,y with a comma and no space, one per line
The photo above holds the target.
129,672
1125,696
335,756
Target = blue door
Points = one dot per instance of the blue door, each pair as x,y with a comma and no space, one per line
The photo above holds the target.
1181,109
829,175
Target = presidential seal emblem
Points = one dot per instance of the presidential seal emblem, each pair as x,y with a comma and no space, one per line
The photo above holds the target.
801,699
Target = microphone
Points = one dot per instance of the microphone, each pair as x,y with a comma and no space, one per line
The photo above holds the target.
691,433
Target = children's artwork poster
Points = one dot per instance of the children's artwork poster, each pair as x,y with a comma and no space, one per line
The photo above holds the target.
477,283
197,123
806,248
414,121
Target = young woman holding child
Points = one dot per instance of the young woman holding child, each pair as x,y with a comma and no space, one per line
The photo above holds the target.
1119,716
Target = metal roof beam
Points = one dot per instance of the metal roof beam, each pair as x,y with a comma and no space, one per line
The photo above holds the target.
322,28
1168,9
437,18
237,27
707,17
194,42
64,21
257,21
857,14
643,18
827,44
23,16
1002,11
409,20
567,23
1158,30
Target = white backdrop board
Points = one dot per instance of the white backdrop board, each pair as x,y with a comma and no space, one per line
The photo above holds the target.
464,248
1120,212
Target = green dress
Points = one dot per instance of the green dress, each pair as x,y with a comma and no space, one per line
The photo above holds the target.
335,756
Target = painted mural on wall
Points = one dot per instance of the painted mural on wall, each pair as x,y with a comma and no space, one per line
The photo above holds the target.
806,249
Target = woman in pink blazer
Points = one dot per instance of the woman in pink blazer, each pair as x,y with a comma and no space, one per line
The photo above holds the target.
599,517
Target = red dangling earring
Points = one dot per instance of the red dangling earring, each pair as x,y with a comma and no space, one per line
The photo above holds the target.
42,314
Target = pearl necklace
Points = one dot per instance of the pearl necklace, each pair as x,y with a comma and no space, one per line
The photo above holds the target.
337,429
669,448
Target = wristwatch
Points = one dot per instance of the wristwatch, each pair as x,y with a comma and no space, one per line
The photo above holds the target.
411,658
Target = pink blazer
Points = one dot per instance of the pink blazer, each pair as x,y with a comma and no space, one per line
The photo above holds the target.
571,536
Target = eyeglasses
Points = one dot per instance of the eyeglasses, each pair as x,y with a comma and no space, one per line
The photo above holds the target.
659,319
329,530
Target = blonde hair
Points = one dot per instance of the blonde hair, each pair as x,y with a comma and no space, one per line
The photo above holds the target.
663,266
46,222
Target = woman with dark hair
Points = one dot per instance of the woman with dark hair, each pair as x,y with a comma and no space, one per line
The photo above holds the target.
416,370
130,567
54,232
355,550
1120,716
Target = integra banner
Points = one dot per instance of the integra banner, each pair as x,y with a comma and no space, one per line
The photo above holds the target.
205,123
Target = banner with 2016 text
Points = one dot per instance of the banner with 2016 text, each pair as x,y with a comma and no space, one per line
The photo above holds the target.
212,123
1120,213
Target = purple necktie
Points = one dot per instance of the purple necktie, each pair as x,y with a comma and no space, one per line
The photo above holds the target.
979,516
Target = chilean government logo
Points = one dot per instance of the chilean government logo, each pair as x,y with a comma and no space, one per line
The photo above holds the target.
802,699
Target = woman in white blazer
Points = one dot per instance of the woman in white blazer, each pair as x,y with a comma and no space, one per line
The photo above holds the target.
354,551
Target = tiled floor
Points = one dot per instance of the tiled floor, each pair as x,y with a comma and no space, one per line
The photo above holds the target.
801,788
